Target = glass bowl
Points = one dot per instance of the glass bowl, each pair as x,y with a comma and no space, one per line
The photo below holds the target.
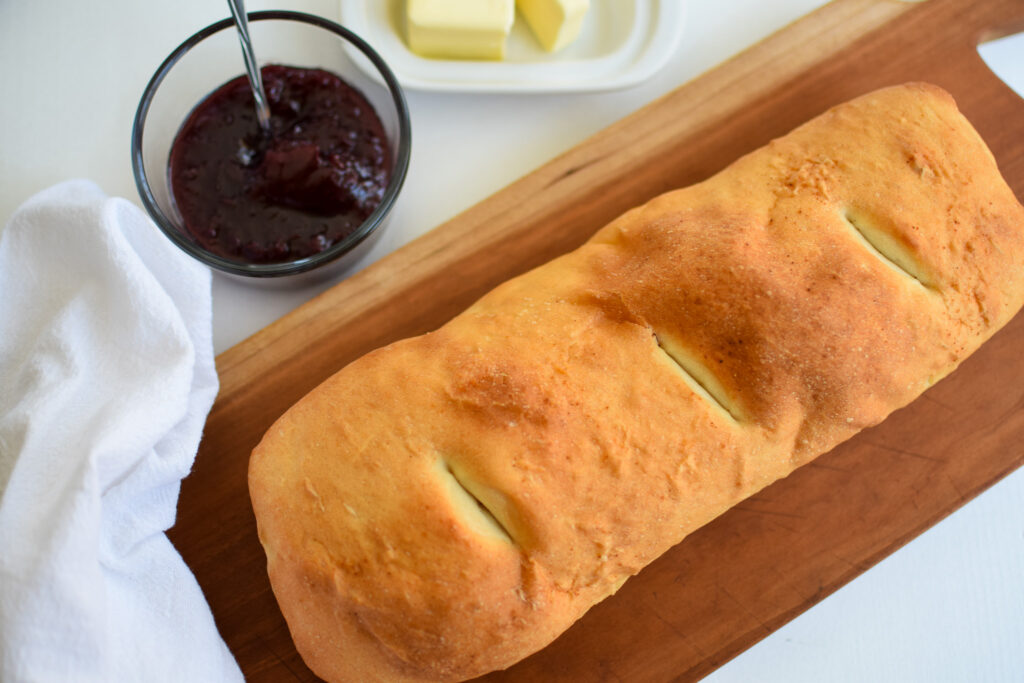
211,58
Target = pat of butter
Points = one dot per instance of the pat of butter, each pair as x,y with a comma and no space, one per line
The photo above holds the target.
460,29
556,23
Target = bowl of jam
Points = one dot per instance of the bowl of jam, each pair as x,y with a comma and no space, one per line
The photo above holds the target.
314,190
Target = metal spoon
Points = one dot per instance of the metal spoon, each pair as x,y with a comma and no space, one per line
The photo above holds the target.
252,69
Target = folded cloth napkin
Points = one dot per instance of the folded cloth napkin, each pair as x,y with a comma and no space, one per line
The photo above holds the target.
106,378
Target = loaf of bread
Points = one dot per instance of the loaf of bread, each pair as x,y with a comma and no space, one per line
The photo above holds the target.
451,503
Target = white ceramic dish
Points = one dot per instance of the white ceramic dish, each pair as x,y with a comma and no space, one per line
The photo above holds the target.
622,43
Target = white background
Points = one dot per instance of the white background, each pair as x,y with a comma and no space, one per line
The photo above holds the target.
948,607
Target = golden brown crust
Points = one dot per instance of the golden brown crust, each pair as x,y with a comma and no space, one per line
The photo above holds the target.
604,405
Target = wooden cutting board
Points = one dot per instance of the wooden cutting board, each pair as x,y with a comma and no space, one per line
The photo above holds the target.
766,560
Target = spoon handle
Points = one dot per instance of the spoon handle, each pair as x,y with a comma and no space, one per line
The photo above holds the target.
252,69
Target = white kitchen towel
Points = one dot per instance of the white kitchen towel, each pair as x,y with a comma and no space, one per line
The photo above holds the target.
106,378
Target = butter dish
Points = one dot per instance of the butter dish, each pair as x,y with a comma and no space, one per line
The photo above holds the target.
621,43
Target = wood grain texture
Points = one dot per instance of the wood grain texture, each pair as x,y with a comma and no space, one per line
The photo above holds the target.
766,560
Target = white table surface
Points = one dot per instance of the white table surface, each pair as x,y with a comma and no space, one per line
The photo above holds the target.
948,607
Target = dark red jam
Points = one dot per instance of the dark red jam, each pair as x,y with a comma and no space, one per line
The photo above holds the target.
320,173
